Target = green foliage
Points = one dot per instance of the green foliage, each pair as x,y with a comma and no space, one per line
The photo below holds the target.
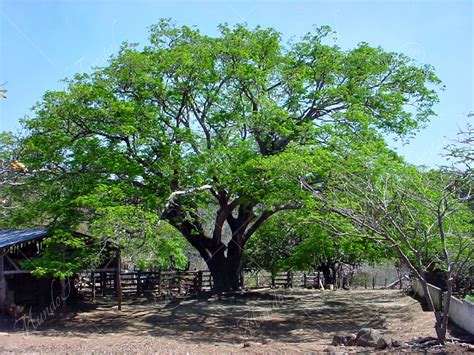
303,241
424,214
66,253
240,112
8,146
145,241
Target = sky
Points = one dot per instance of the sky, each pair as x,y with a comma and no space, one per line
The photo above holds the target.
45,41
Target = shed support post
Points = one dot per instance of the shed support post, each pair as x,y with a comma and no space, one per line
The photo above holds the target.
63,296
3,283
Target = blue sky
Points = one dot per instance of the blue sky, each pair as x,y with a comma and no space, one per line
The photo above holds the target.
44,41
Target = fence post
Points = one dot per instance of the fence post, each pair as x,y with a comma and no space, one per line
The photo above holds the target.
138,283
273,281
256,278
178,285
199,281
93,285
304,279
373,282
119,281
159,281
103,282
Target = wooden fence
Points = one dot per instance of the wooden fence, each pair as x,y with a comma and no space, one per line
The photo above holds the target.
173,283
283,279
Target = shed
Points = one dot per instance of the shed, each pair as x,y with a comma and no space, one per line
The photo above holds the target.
19,286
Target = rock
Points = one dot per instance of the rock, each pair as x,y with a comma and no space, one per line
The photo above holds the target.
470,348
368,337
340,340
352,340
381,344
248,344
396,343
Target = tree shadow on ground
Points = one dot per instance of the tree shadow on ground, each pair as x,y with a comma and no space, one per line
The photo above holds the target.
290,316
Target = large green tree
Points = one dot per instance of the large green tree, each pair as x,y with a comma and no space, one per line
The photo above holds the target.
192,123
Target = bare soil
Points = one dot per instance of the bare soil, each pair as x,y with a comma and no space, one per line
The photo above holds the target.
271,321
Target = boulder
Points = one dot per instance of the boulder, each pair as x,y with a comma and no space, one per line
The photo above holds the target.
396,343
381,344
249,344
368,337
339,340
352,340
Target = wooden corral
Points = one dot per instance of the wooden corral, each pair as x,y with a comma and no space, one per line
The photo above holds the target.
161,283
19,286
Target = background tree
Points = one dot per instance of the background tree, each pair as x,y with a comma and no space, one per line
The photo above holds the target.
192,122
12,173
301,240
423,215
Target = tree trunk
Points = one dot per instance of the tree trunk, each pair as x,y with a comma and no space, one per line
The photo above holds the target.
442,322
327,270
223,261
225,270
440,333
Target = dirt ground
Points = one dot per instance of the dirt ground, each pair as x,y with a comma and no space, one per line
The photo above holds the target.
271,321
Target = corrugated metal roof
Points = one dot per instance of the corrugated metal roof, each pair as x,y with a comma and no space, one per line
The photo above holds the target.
10,237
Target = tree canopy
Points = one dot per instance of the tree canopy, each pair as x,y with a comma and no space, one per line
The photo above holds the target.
309,241
190,122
